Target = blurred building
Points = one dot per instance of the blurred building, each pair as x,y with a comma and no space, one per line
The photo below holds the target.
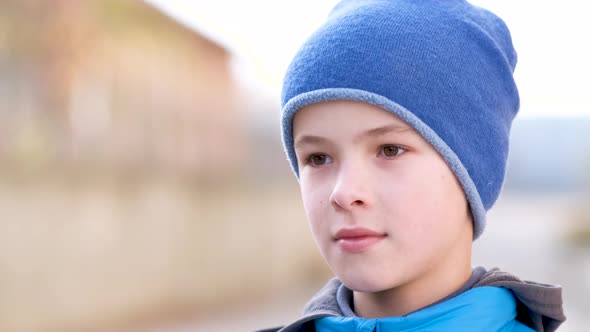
117,84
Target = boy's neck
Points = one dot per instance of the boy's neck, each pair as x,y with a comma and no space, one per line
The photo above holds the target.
402,300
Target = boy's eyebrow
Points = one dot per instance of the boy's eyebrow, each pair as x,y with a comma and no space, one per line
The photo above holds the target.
309,140
379,131
374,132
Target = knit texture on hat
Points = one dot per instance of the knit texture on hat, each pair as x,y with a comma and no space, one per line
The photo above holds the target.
443,66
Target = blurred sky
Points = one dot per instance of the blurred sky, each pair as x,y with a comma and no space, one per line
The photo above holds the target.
551,38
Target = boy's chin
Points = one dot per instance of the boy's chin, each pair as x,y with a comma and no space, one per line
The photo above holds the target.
367,284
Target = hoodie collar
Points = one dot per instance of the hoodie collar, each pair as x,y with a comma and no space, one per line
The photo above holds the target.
482,309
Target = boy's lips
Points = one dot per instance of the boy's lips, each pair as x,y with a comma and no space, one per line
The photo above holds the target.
357,239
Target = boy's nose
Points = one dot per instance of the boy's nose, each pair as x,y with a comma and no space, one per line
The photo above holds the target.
350,190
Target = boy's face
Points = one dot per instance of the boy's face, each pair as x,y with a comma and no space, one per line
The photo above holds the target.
383,206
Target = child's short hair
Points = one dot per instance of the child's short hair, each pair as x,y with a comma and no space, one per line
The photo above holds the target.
445,67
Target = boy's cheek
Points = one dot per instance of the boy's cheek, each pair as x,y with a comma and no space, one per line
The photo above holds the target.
316,213
315,210
314,185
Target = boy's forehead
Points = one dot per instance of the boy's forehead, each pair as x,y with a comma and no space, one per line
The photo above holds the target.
356,119
359,115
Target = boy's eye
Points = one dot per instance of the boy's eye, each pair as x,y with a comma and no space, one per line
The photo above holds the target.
392,150
318,159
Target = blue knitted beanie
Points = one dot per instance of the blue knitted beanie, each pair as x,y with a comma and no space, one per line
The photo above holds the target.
443,66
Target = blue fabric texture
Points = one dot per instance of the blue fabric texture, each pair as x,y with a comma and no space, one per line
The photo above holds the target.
445,67
478,309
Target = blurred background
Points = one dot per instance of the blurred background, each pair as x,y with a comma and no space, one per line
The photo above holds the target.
143,185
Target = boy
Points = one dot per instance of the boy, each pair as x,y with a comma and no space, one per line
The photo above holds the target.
396,118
